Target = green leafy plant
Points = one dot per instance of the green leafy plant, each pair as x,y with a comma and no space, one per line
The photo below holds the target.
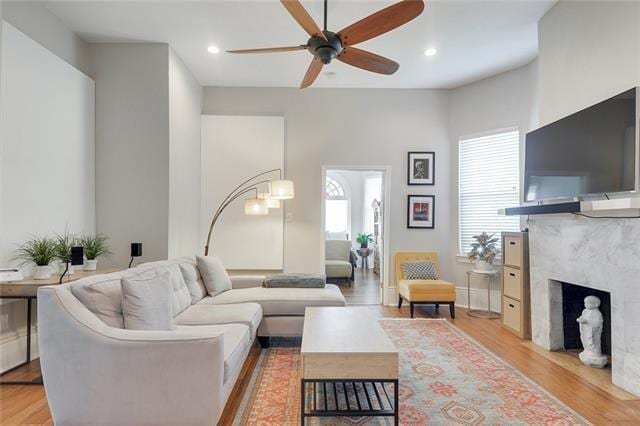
484,248
364,239
95,246
38,250
63,244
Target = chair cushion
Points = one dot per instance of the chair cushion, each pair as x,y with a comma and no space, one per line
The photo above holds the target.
280,301
421,270
236,343
249,314
337,268
214,275
427,290
146,302
337,250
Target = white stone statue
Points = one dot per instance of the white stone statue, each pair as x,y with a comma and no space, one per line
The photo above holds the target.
591,322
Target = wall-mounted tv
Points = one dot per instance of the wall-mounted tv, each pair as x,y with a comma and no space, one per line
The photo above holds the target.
590,152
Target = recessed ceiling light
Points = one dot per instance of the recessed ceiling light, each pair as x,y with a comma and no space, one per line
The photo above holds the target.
330,74
430,51
213,49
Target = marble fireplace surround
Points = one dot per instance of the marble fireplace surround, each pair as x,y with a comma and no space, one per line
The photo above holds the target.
598,253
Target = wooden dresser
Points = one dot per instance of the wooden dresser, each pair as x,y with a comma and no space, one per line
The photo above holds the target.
516,300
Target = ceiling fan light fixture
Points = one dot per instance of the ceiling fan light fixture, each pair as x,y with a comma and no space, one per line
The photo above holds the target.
430,51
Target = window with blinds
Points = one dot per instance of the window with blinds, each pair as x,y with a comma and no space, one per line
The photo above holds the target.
488,179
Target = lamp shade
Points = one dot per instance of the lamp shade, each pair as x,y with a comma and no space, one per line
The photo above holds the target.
272,202
256,207
281,189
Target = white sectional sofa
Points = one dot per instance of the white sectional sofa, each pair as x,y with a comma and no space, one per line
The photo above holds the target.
97,372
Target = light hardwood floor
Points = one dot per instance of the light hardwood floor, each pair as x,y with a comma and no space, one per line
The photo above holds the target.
365,289
28,405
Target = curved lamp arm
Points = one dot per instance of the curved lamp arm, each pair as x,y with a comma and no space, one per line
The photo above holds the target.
243,188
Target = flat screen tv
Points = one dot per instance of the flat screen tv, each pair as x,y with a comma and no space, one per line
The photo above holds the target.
590,152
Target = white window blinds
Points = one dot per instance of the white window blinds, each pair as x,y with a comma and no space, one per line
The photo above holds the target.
489,179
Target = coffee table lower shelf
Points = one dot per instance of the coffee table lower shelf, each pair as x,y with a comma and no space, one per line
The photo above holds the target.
349,398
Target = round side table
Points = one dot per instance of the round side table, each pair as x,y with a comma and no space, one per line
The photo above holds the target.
481,313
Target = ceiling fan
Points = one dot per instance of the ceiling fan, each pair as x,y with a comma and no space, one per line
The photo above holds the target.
326,45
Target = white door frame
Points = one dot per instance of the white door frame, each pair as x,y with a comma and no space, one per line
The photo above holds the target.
386,196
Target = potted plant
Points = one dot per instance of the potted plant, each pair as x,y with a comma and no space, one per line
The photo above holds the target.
94,247
483,251
63,243
41,252
364,240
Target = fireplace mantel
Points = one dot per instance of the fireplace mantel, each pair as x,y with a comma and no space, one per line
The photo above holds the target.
603,254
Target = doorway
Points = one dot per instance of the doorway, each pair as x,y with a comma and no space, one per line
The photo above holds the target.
353,231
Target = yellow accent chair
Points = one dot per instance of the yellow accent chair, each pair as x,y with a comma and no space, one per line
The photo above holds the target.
424,292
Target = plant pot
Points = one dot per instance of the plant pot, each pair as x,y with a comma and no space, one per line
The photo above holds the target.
90,264
364,245
42,272
483,265
62,266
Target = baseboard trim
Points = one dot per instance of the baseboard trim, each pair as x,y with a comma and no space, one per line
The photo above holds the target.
13,349
478,298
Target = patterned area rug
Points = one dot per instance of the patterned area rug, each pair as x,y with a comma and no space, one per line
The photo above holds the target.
445,378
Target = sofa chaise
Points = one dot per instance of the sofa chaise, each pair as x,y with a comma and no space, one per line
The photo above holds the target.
97,372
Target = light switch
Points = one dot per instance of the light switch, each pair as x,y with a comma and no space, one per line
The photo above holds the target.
288,217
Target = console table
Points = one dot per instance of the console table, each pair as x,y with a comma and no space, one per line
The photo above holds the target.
27,290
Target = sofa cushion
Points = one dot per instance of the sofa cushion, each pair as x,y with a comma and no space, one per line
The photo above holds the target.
337,250
147,302
236,343
193,280
337,268
280,301
249,314
214,275
102,295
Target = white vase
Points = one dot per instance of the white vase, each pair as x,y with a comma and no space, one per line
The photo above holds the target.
483,265
90,264
41,272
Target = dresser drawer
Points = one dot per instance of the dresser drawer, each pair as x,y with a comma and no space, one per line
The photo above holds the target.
512,281
511,314
513,251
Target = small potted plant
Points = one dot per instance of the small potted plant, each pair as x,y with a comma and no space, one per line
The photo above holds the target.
63,243
41,252
483,251
364,240
94,247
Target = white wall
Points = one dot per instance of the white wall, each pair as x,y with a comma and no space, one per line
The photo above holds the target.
503,101
235,148
589,51
35,20
185,104
132,147
352,127
46,160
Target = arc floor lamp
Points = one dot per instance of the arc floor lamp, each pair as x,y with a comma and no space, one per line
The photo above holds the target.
259,205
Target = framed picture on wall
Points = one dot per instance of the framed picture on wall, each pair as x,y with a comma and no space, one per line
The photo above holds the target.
421,211
421,168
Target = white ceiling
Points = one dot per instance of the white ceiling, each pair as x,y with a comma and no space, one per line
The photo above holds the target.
475,39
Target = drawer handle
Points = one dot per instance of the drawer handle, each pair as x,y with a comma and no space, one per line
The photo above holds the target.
512,274
511,306
513,243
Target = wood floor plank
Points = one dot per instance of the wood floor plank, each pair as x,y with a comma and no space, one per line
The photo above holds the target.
20,405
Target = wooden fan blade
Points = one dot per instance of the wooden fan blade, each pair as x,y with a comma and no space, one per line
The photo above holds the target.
303,18
381,22
312,73
368,61
269,49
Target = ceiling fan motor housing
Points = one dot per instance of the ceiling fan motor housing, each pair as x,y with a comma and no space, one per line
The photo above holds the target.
325,50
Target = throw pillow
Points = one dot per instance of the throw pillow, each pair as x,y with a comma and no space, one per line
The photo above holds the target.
423,270
146,302
215,277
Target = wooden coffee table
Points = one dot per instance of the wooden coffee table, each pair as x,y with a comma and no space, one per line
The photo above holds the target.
349,365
